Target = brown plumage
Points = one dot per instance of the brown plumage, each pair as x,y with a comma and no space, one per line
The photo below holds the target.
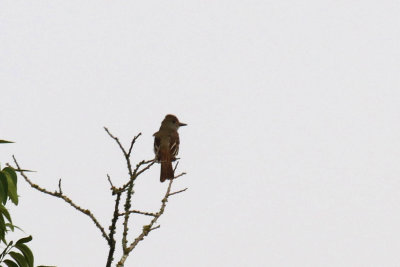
166,145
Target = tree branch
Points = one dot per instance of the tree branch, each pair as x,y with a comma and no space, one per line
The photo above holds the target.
136,173
139,212
61,195
177,192
132,143
112,229
128,189
148,228
126,155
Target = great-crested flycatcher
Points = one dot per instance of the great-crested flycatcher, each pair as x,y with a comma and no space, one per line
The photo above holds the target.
166,145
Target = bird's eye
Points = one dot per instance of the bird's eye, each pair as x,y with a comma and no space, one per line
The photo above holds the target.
174,121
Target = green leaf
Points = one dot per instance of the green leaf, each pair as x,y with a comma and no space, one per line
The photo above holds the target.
4,211
12,226
19,258
3,188
5,142
10,263
12,173
24,240
26,251
12,189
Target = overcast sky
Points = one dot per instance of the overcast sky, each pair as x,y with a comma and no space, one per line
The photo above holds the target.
292,146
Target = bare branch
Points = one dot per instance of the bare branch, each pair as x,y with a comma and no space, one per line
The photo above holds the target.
147,228
139,212
127,207
154,228
177,192
109,180
112,228
59,186
136,173
65,198
128,189
126,155
116,140
132,143
176,166
133,174
179,175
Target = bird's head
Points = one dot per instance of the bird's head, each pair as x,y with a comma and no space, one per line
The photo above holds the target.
172,122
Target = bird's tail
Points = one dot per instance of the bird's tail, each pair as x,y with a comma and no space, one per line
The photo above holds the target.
166,168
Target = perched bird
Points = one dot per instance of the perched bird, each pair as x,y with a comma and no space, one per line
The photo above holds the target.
166,145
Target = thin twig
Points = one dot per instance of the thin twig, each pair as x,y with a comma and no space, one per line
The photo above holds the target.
132,173
133,142
59,186
139,212
136,173
176,166
65,198
109,180
116,140
154,228
126,155
177,192
179,175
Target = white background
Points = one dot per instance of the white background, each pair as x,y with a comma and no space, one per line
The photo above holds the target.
292,145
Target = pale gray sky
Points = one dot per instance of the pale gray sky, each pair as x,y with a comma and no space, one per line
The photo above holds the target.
292,149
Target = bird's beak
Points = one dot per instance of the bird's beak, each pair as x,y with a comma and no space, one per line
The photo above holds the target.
182,124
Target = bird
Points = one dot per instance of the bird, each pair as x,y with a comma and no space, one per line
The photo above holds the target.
166,145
